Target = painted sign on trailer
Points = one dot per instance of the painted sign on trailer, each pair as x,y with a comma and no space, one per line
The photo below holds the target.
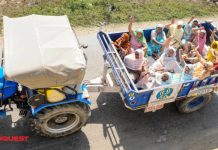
162,96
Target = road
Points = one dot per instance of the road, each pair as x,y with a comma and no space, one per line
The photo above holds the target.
112,126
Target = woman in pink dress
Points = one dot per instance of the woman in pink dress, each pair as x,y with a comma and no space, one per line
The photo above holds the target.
137,39
200,41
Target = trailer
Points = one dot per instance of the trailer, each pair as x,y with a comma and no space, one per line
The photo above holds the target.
189,96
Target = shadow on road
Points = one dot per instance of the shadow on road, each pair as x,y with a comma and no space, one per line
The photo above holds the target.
164,129
126,129
35,142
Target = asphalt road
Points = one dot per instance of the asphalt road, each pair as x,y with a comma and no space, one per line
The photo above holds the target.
112,126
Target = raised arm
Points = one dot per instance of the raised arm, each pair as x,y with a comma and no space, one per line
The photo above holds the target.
197,29
166,43
191,19
130,24
200,58
213,34
181,59
197,53
168,25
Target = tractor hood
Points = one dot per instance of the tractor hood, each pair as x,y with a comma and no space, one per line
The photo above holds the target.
42,51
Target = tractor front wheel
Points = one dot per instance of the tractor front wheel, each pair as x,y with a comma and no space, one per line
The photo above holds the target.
61,120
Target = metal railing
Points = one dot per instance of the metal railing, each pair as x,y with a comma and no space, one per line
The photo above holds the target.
120,72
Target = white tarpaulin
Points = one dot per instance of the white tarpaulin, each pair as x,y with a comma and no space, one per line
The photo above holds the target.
42,51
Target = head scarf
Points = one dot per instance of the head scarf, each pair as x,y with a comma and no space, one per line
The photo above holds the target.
142,39
215,43
187,76
201,41
160,36
210,66
187,31
135,64
159,81
179,23
165,59
125,36
195,21
160,26
123,44
210,56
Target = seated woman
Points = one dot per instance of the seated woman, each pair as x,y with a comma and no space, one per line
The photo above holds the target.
189,30
145,81
212,54
136,63
175,32
122,45
137,39
158,37
188,55
187,73
167,61
200,41
163,78
195,25
203,68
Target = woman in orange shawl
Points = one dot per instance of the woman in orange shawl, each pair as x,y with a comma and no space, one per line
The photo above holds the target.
122,45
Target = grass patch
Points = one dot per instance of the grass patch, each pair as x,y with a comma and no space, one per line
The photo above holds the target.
91,12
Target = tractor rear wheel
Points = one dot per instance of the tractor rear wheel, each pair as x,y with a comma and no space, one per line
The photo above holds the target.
61,120
192,104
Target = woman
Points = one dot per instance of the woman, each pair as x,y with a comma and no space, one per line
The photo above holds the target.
212,54
200,41
136,63
203,68
188,55
187,34
163,78
137,39
187,73
188,29
122,45
158,37
145,81
175,32
167,61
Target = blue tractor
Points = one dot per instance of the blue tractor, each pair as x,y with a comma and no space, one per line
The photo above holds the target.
42,70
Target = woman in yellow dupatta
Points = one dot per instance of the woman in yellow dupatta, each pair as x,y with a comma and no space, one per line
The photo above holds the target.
212,54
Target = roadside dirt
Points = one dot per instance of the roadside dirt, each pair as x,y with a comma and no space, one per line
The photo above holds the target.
143,25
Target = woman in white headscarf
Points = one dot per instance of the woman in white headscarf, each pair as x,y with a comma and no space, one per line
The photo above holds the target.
163,78
136,63
187,73
135,60
167,61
